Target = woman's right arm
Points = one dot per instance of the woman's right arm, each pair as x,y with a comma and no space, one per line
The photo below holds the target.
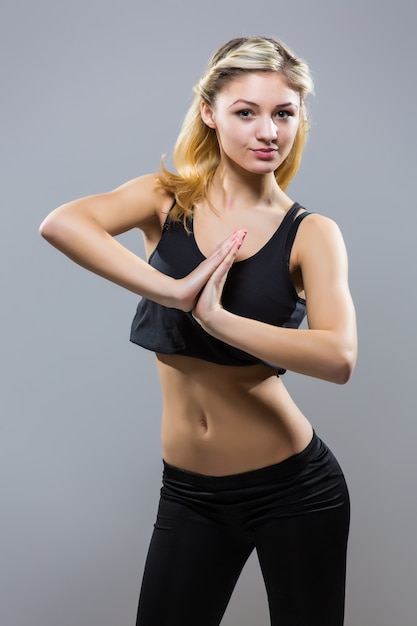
84,230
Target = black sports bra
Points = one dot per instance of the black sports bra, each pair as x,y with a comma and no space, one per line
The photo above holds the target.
259,287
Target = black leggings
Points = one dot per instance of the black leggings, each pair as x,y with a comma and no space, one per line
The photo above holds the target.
295,514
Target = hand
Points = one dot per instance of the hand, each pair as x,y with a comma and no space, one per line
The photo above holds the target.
189,287
209,300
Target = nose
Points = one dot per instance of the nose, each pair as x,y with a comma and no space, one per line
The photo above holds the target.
266,129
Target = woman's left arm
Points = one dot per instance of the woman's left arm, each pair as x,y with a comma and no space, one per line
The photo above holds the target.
328,348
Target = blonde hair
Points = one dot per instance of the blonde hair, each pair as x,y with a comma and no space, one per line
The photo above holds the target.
196,153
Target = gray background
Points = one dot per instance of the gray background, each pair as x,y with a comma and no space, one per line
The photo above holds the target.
93,93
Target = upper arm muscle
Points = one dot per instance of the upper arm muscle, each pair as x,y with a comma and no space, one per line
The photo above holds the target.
138,203
323,261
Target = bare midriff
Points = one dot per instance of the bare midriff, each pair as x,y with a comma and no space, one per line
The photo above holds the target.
219,420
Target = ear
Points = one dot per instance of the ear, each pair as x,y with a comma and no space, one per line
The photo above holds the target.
207,115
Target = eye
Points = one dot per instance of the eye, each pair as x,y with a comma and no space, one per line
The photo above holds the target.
284,114
245,114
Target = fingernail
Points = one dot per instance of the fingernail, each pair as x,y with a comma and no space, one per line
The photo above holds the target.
240,237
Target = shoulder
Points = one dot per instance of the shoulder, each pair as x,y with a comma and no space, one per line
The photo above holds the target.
318,236
145,194
145,191
317,226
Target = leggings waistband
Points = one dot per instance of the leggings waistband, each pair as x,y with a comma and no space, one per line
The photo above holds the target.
288,467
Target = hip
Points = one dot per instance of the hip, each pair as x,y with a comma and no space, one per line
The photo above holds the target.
305,483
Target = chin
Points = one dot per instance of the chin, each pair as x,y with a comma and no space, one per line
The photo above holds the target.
263,168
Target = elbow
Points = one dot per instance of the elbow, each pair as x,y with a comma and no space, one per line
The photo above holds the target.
52,229
47,229
342,370
342,375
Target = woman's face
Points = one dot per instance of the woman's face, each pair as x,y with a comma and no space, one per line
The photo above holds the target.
256,117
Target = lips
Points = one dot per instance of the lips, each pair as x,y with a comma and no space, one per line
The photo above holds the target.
265,153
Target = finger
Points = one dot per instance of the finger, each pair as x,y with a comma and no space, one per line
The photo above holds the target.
225,265
210,297
215,283
195,281
205,269
220,273
227,245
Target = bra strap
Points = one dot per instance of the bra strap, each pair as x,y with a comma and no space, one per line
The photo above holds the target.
292,233
168,217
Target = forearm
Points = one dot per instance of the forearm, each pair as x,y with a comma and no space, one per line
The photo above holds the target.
86,243
325,354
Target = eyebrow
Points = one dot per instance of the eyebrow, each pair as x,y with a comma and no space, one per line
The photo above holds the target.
254,104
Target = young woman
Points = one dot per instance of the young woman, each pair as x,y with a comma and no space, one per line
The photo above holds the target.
234,265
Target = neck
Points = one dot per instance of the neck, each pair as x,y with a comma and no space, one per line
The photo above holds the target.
232,188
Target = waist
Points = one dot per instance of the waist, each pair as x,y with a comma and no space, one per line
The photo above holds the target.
252,478
223,420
